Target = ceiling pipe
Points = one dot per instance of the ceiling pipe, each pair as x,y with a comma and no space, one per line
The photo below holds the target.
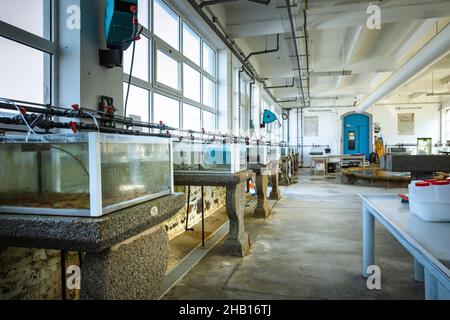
294,35
226,40
289,100
305,22
213,2
264,2
432,51
285,86
265,51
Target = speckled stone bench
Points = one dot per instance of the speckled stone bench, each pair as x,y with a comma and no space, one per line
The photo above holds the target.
126,252
238,241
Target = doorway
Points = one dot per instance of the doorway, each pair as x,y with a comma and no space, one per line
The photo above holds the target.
357,135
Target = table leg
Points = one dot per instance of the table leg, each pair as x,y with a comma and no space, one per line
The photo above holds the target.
275,194
431,286
368,240
418,271
238,240
262,208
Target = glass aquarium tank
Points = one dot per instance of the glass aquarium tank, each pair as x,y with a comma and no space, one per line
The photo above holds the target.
284,151
86,174
424,146
275,153
259,154
190,156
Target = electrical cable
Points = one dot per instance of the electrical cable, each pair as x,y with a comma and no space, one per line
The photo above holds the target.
131,73
30,130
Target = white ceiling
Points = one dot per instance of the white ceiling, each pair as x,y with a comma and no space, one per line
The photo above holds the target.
339,40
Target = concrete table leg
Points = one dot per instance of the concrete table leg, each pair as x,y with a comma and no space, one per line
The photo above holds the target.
262,208
275,194
238,240
419,273
131,270
368,241
431,287
284,170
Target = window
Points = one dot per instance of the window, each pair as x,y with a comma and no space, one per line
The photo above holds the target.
447,125
209,95
138,103
209,121
143,13
166,110
141,59
167,70
29,15
25,73
166,24
191,117
191,44
191,81
209,59
26,61
174,64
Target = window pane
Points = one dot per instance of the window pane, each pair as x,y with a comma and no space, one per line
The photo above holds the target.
209,121
191,83
143,12
191,44
138,101
209,59
166,110
30,15
166,24
167,70
25,72
191,117
209,93
141,59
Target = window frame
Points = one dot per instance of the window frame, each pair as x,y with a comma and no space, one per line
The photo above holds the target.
155,44
46,46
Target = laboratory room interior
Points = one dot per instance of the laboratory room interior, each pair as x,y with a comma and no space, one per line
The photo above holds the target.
224,150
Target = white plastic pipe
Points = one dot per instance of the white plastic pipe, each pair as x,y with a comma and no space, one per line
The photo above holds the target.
432,51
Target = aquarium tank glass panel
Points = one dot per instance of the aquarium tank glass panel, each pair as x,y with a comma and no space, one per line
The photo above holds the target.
217,157
88,174
258,154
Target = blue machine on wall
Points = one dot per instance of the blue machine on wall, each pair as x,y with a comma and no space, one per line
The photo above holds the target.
269,117
357,134
121,30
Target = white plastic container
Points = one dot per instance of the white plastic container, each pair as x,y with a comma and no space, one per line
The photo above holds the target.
430,200
441,190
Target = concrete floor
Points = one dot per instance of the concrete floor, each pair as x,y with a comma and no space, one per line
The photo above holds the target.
310,248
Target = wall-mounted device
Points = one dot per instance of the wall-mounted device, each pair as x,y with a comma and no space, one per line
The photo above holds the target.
121,30
268,118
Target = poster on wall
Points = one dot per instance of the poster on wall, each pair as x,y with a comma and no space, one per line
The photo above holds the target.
311,126
406,124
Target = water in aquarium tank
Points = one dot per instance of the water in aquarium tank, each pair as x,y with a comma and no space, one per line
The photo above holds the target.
214,157
259,154
82,174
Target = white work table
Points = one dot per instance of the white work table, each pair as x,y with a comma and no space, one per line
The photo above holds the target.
427,242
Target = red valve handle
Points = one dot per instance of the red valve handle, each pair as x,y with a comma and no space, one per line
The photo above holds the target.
73,126
76,107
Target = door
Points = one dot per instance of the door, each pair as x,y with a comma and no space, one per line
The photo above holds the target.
356,134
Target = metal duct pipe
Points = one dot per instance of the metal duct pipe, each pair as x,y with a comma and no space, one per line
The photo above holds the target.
264,2
294,35
213,2
285,86
432,51
265,51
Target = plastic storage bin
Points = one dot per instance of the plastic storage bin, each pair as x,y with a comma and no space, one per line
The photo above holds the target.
88,174
430,200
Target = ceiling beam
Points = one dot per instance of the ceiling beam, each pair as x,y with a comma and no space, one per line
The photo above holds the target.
352,15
